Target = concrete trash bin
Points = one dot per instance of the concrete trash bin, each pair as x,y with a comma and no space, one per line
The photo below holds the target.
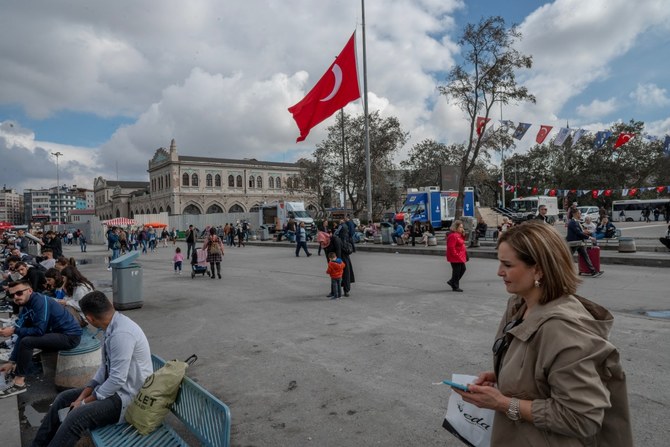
264,232
377,238
75,367
627,245
432,241
387,231
127,282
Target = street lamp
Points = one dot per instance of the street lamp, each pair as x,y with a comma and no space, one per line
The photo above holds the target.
57,154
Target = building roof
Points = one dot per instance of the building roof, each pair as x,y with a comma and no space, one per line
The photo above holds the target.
126,184
81,212
252,161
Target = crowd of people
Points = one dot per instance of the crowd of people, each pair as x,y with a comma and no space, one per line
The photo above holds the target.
546,327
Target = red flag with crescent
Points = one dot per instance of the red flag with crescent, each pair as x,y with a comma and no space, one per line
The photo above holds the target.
624,137
481,124
542,133
336,88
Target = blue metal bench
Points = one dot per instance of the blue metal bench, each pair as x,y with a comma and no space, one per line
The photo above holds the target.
202,413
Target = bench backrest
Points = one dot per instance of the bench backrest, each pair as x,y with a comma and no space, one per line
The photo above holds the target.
205,415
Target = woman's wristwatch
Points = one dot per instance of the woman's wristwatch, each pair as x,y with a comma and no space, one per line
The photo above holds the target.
513,412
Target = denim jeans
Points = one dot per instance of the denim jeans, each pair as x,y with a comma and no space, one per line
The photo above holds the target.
23,350
84,418
336,287
190,249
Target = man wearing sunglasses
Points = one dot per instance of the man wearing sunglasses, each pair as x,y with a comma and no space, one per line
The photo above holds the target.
42,324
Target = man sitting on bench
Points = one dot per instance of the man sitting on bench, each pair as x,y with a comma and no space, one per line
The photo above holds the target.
126,363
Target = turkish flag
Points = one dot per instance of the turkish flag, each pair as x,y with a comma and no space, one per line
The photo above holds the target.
542,133
552,193
336,88
481,124
624,137
660,189
632,192
608,193
534,191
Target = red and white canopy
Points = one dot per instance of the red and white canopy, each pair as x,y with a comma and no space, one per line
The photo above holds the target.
119,222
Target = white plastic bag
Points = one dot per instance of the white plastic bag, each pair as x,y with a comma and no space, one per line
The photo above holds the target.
468,423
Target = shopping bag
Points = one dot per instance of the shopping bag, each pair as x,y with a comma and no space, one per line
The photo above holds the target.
152,403
470,424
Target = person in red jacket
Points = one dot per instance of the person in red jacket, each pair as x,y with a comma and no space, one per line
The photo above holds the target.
456,254
335,270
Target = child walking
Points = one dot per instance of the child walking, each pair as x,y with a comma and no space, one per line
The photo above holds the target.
178,259
335,270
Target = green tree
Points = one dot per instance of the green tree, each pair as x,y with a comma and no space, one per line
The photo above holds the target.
344,161
422,166
486,77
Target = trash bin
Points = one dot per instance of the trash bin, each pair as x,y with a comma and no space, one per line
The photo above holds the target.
127,282
264,232
387,231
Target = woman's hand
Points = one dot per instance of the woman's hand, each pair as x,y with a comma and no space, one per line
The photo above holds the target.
485,397
486,378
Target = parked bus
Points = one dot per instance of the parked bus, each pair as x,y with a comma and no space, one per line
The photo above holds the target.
631,210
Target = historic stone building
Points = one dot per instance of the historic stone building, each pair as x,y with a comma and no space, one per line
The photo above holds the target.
181,184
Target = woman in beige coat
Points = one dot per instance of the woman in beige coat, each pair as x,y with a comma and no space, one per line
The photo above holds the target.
557,380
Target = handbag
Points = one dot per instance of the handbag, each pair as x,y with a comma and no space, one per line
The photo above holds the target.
152,403
214,248
468,423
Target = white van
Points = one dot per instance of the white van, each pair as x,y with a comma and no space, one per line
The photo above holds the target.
591,211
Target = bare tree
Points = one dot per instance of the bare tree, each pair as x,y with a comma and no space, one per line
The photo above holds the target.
485,78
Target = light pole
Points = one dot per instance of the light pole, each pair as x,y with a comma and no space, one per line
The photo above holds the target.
57,154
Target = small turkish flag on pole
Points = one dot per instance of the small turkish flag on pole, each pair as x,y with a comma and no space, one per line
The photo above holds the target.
542,133
336,88
624,137
481,124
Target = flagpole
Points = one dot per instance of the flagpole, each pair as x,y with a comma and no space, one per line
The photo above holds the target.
368,175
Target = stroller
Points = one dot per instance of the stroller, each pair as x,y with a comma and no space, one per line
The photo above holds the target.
199,263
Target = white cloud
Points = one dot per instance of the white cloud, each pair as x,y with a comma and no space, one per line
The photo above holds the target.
650,95
597,108
28,163
219,76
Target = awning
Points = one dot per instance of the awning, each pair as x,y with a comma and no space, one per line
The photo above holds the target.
119,222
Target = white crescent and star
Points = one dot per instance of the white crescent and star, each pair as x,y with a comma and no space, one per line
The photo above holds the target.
337,71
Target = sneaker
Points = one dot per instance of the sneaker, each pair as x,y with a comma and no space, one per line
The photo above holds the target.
330,295
13,391
457,290
346,293
334,297
597,274
4,355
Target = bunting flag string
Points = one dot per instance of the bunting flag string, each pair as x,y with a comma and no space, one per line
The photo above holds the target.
599,142
593,192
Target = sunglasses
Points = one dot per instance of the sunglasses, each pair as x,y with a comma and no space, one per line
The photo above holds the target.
501,344
18,293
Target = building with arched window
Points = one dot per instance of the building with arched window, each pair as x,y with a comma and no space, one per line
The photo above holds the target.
174,185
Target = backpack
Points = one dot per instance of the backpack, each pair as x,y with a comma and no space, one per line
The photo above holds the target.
347,248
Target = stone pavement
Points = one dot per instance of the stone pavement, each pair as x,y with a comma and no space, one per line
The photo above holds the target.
297,369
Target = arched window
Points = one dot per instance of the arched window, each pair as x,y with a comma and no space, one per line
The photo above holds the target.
271,182
289,183
296,182
217,180
160,210
118,213
278,183
132,215
239,181
191,209
167,181
252,181
259,182
236,209
168,210
254,209
154,211
160,182
194,180
208,180
184,179
214,209
231,181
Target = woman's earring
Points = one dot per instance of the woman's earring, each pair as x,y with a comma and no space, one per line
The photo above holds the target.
537,283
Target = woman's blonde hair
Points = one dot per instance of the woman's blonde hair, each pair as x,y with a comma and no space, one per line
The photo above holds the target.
455,224
538,244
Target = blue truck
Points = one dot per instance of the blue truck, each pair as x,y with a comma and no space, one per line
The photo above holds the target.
434,206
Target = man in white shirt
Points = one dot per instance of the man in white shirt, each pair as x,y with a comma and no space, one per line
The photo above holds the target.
126,363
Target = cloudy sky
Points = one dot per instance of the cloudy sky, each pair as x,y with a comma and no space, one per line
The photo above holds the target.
107,83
